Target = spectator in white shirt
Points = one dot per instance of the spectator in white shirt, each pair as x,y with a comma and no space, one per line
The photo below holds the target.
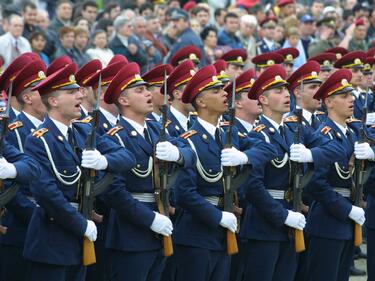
99,49
12,43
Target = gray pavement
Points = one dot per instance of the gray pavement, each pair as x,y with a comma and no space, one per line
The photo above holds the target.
362,265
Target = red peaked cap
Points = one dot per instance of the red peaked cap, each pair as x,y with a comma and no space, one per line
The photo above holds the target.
84,74
32,74
12,70
337,83
204,79
190,52
58,63
128,77
62,79
273,77
243,82
308,73
181,75
156,75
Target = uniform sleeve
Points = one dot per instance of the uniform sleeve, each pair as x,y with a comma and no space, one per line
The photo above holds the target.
189,199
257,150
27,168
47,193
324,151
119,158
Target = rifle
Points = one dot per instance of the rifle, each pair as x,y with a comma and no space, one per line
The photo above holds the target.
361,172
229,172
297,179
90,189
160,174
9,193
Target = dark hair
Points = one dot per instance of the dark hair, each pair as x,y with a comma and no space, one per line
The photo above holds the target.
103,24
28,4
207,30
146,6
89,3
63,2
110,6
230,15
35,34
218,12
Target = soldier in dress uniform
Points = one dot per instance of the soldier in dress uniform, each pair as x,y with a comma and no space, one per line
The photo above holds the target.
135,247
199,235
263,61
308,75
9,73
53,244
268,44
155,79
189,52
220,66
368,84
289,55
235,62
270,253
20,208
326,61
247,113
108,117
353,61
82,76
330,223
178,115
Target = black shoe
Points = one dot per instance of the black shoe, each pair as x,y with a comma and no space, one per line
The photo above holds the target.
360,255
357,272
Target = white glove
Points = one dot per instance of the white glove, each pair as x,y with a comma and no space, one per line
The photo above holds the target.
233,157
167,151
299,153
93,159
295,220
7,170
91,231
357,214
162,225
363,151
229,220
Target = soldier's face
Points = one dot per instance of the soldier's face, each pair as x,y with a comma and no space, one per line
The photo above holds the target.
137,100
323,75
341,105
289,69
233,70
215,100
157,98
357,77
308,102
276,100
249,107
67,103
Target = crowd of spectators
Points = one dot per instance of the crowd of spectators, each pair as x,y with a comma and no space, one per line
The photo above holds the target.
149,33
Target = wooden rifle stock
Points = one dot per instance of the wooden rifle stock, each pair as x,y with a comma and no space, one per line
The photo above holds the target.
232,247
299,241
89,256
357,235
167,240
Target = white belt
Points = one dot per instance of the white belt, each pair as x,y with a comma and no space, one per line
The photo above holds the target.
73,204
144,197
345,192
276,194
214,200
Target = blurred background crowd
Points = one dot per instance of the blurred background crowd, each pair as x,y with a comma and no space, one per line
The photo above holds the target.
148,32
